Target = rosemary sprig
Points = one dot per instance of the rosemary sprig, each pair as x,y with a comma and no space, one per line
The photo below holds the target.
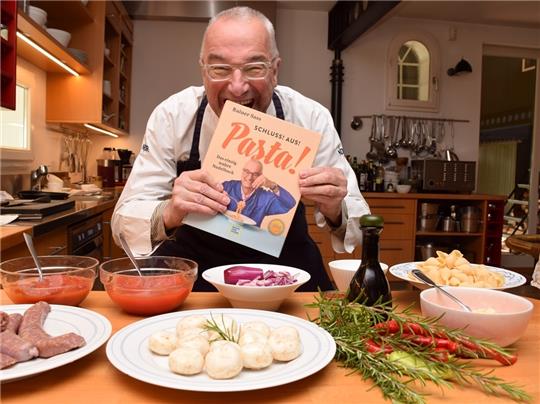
227,333
351,326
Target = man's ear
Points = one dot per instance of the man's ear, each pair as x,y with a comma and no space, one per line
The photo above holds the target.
275,71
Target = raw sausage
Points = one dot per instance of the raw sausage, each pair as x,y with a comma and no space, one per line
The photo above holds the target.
4,319
14,322
31,330
6,361
16,347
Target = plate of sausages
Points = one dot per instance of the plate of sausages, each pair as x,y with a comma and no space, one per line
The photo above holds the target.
38,337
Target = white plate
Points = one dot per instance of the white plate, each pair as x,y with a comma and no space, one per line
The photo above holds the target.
94,327
511,279
128,351
5,219
239,218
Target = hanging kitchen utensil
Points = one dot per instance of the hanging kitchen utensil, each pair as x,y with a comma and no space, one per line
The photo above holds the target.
371,155
449,154
391,152
404,133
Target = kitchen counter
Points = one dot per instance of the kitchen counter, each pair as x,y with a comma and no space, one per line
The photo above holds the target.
85,207
413,195
93,379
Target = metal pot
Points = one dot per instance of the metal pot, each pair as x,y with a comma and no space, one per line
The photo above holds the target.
450,155
425,251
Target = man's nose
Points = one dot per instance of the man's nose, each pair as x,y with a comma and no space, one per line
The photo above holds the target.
238,85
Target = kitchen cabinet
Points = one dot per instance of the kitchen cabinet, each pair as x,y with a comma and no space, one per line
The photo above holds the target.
402,212
94,27
110,249
51,243
402,233
117,66
8,47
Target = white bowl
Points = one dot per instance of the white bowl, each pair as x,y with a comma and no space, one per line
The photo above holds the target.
403,188
38,15
61,36
343,271
255,297
504,327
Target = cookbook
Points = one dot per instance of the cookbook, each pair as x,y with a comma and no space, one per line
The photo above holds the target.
257,158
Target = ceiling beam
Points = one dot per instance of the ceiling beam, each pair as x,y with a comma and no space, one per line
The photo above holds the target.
347,20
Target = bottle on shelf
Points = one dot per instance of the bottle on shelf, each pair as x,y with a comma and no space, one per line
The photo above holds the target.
370,180
369,284
362,178
379,179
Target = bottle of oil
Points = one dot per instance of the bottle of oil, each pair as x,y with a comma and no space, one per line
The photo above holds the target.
369,283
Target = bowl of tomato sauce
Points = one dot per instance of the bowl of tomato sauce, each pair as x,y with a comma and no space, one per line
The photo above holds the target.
164,285
67,279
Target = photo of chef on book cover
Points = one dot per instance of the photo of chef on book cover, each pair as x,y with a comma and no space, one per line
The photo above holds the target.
257,157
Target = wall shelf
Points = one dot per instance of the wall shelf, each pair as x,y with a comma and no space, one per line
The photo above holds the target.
37,34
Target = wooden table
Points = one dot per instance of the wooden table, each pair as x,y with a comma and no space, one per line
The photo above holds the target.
93,379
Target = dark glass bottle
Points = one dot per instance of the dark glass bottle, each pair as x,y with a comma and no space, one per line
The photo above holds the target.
369,283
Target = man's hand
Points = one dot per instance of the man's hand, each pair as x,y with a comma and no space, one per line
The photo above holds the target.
194,191
264,182
326,186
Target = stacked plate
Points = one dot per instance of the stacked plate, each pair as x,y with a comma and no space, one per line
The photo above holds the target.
80,55
38,15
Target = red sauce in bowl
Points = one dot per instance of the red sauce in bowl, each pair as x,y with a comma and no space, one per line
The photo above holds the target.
148,295
53,289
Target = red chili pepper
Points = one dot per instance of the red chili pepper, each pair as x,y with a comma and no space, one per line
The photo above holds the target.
387,327
440,355
414,328
483,352
374,347
422,340
443,343
446,344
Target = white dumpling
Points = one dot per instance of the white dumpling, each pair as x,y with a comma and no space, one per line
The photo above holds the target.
224,360
162,342
251,337
198,342
188,323
256,355
258,326
285,343
186,361
191,332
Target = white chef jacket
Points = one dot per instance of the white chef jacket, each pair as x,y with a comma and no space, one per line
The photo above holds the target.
168,138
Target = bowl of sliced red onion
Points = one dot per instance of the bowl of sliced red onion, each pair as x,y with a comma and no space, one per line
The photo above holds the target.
256,286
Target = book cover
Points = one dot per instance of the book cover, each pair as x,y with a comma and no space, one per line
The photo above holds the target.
257,158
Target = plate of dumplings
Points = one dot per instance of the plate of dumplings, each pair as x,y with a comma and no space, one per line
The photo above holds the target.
221,350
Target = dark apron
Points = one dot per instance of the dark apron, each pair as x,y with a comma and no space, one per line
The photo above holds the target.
209,251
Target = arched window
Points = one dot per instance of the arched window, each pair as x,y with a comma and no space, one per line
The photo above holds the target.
413,70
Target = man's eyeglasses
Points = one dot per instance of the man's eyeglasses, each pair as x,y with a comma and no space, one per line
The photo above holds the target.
250,174
250,71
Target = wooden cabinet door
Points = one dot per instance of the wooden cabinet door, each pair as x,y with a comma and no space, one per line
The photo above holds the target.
110,249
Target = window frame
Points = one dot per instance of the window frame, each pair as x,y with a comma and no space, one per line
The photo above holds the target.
12,156
392,101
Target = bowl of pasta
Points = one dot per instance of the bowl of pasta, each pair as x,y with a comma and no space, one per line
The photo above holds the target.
498,316
454,269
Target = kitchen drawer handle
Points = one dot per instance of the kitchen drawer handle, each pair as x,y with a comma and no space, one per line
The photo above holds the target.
391,249
56,250
106,222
